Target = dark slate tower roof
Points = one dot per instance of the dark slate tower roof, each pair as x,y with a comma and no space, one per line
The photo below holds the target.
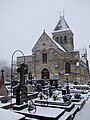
62,25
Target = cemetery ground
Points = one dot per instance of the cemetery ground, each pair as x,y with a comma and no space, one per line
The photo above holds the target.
46,103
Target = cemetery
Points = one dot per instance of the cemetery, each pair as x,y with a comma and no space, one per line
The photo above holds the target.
40,100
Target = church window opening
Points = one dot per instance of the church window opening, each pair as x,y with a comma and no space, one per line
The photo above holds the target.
61,40
65,39
44,57
43,44
57,39
67,68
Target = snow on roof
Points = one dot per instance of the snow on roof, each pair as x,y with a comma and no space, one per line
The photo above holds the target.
59,46
60,31
62,25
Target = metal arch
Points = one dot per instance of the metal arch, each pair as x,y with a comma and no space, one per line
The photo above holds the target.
12,60
12,69
18,51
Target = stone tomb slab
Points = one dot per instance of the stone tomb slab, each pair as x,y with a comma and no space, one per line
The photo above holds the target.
20,107
52,102
21,94
44,113
75,100
10,115
55,104
8,104
80,103
66,116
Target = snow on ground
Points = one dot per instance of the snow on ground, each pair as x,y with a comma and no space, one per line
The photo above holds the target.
84,113
9,115
8,103
45,111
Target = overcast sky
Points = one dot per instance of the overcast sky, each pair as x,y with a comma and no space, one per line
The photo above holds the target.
23,21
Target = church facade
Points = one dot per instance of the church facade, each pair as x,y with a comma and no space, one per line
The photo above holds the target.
52,57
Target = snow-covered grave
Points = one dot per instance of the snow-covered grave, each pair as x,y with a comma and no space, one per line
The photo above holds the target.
75,90
32,95
9,115
83,91
80,104
81,87
7,104
45,113
58,103
84,113
20,107
55,104
66,116
48,108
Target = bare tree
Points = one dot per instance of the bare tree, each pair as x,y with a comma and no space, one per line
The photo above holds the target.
6,67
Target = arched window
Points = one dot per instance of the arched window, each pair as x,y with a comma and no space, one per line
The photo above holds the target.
67,68
61,40
65,39
57,39
44,58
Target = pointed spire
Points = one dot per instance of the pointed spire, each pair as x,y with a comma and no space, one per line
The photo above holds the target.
62,25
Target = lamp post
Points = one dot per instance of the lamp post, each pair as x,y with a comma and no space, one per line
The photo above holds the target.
76,72
67,73
67,85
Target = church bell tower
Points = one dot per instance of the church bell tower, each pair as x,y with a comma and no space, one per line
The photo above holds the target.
63,35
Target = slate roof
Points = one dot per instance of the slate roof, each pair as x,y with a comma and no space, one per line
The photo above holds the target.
61,25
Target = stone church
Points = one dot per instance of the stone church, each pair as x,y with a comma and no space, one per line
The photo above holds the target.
52,57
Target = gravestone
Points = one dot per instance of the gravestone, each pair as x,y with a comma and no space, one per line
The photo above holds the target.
21,91
21,94
30,88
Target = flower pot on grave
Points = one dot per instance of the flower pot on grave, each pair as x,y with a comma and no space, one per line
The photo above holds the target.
65,98
77,96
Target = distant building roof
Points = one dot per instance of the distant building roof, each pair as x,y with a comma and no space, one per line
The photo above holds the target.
83,54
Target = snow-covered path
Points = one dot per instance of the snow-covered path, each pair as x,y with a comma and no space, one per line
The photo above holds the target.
84,113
